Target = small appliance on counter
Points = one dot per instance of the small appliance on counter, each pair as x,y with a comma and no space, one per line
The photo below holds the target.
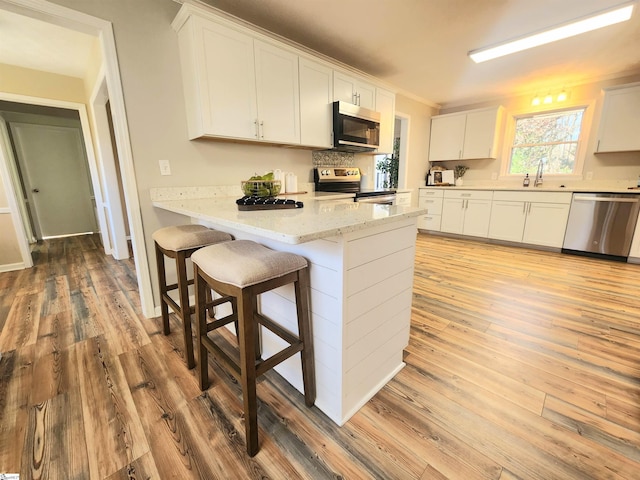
440,177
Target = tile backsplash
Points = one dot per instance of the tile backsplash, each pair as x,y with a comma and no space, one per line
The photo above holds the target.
328,158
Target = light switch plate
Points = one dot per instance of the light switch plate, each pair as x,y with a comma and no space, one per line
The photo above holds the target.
165,167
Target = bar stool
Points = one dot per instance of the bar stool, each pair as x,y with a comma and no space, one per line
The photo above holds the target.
179,242
244,269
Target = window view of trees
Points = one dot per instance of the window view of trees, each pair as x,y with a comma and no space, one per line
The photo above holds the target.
550,138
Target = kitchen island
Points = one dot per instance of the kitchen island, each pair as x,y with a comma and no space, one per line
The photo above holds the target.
361,267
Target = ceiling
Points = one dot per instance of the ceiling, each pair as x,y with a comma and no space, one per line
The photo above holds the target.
31,43
418,46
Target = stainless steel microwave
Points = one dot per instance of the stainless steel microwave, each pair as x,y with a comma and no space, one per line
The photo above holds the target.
355,129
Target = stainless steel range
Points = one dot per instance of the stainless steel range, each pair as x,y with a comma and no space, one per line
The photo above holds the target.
347,180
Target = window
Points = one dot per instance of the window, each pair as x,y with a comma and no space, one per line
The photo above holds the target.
549,140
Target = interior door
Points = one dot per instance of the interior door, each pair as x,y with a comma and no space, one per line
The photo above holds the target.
54,169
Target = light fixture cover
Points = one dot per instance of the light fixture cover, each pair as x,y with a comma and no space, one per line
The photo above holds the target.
586,24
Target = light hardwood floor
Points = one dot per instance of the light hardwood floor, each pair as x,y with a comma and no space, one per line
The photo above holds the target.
521,364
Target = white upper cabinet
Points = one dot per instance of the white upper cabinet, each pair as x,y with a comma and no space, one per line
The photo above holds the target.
235,85
218,73
241,84
316,97
447,137
353,90
386,105
466,135
620,120
277,93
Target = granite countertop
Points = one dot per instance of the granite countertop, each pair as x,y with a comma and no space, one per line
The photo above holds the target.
322,216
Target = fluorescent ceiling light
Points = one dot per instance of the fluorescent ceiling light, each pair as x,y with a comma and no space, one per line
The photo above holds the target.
577,27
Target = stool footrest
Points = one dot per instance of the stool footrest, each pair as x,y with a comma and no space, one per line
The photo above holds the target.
221,322
275,359
171,302
284,334
232,365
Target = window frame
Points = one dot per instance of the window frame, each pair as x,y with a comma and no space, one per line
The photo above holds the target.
581,150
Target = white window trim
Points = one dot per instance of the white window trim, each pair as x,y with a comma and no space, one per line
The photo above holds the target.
583,141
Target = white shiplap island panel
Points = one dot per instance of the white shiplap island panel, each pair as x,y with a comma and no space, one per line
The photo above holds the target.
361,266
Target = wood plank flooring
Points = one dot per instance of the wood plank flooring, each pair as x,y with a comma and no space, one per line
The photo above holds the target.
521,365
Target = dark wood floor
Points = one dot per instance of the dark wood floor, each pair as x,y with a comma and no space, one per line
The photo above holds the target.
521,364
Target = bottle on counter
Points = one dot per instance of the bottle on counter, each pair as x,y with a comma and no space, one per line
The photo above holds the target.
638,181
525,182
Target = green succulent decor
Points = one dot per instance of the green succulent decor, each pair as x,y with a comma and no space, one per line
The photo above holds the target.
389,166
459,170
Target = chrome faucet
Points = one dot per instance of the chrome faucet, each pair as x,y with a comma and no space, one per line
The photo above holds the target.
538,180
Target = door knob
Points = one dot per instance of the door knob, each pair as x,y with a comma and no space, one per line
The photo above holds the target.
35,190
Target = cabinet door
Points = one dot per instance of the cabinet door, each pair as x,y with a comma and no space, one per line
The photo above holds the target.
353,90
452,215
480,133
367,95
507,220
227,82
277,93
429,222
386,105
344,88
316,96
620,121
447,137
546,224
477,214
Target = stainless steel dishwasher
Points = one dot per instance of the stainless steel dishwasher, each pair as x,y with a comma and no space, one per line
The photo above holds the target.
601,224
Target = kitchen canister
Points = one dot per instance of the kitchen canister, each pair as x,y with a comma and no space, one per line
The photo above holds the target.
291,181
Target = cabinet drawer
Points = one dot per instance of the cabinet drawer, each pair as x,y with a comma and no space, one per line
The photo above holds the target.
540,197
469,194
431,192
433,205
429,222
403,199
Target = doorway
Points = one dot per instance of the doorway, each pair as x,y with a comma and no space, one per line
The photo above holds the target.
103,30
52,167
391,170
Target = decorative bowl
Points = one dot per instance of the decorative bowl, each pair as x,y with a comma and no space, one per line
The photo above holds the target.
261,188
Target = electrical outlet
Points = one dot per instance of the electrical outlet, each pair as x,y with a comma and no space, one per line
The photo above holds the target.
494,176
589,175
165,168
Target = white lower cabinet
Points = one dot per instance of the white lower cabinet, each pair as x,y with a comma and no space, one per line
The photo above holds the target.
536,218
431,200
403,198
466,212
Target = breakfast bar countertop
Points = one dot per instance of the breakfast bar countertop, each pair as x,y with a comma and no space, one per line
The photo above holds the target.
321,217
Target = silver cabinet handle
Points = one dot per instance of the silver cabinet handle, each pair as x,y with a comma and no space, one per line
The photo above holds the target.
524,208
255,122
262,127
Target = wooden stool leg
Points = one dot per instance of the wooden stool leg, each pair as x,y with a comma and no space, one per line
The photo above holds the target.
305,333
185,309
162,280
247,304
201,328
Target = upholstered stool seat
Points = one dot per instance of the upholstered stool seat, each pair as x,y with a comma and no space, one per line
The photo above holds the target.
179,242
243,270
